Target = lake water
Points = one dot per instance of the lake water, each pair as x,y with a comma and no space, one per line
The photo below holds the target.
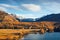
46,36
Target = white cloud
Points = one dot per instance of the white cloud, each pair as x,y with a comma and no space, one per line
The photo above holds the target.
20,16
10,6
26,16
32,7
2,9
52,7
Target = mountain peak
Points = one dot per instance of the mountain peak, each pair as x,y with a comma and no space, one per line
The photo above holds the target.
52,17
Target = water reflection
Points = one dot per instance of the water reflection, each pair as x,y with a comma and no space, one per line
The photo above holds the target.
46,36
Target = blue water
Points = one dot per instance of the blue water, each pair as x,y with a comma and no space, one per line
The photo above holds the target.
46,36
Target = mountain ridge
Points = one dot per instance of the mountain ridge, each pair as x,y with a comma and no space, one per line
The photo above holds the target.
51,17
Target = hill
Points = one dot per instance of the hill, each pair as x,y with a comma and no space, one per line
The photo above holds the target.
45,24
52,17
7,20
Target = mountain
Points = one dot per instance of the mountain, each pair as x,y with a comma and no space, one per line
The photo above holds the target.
16,17
27,20
52,17
45,24
2,15
7,20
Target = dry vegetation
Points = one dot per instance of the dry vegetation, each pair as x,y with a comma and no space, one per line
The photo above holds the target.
10,22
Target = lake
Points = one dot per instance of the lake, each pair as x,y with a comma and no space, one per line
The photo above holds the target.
46,36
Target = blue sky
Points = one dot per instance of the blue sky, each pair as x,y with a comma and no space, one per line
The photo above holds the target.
30,8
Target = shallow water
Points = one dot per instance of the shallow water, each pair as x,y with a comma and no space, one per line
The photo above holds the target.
46,36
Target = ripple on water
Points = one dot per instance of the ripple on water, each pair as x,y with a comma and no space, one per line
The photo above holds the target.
46,36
